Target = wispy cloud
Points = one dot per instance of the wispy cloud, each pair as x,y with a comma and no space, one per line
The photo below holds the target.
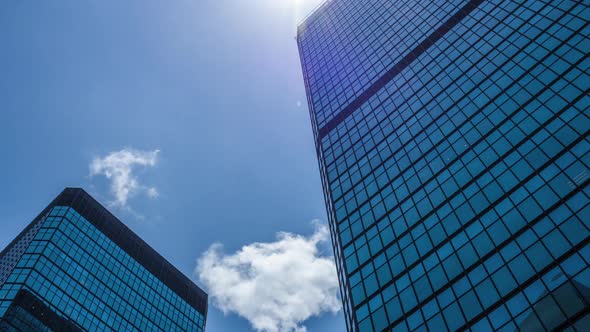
276,286
118,168
152,192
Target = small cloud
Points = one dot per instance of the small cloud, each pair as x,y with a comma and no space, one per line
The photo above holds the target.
152,192
118,168
276,286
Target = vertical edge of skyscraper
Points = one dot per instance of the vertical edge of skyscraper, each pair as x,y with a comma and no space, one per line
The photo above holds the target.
76,267
454,152
337,249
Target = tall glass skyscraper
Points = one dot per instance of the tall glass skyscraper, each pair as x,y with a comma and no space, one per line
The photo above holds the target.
77,267
452,138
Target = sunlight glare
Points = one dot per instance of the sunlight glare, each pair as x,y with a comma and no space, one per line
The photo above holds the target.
302,8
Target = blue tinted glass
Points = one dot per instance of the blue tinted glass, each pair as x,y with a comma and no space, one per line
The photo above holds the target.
453,137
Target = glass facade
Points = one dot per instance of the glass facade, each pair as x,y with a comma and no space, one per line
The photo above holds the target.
452,139
77,267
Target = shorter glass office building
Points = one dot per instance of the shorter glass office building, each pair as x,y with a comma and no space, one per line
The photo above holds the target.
77,267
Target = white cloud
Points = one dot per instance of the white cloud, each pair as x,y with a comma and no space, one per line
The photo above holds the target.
276,286
152,192
118,168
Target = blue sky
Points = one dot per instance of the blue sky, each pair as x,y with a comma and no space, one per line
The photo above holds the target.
215,86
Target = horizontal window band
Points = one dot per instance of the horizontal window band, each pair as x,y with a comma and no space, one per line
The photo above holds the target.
400,66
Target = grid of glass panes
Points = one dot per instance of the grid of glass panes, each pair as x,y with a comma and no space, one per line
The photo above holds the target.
84,276
28,250
348,63
474,144
13,254
410,166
